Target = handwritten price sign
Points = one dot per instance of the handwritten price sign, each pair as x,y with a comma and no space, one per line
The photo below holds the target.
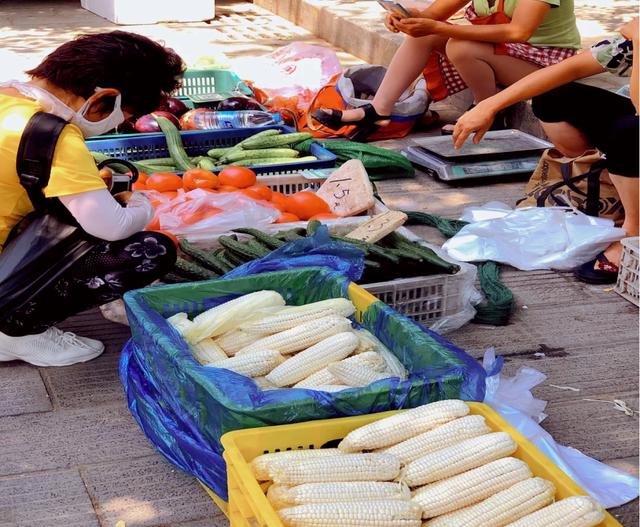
379,226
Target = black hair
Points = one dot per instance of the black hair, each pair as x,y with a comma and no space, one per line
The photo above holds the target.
144,72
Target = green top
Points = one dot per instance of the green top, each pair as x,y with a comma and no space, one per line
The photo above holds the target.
558,29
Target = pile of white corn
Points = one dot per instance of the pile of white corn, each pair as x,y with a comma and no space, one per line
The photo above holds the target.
435,462
312,346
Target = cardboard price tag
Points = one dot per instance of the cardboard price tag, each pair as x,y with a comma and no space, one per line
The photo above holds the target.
379,226
348,190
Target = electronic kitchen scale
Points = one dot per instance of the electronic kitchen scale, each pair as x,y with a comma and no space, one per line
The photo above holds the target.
500,153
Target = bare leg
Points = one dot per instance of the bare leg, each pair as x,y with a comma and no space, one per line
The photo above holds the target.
629,191
407,64
482,69
567,138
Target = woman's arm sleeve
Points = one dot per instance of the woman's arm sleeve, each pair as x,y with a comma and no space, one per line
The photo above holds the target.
100,215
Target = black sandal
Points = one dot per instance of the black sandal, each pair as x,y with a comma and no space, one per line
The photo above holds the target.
364,127
607,274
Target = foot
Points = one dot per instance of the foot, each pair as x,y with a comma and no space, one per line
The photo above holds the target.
51,348
600,271
613,254
356,115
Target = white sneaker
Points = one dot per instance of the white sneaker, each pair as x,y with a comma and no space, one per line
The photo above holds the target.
51,348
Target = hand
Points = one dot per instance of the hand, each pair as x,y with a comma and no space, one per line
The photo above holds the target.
417,27
390,21
477,120
630,29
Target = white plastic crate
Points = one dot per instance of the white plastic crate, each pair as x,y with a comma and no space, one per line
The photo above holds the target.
629,275
151,11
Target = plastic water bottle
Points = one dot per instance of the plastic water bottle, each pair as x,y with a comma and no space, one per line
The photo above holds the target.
213,120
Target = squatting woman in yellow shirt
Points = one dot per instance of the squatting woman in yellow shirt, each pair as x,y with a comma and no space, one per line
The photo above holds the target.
93,82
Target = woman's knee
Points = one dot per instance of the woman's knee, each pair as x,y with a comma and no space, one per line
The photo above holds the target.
459,50
621,146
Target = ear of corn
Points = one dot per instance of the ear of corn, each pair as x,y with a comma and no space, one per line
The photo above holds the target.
470,487
455,459
355,374
222,318
281,496
397,428
313,359
370,359
181,322
233,341
264,384
341,306
502,508
254,365
447,434
576,511
283,321
302,336
262,465
382,513
207,352
345,467
393,365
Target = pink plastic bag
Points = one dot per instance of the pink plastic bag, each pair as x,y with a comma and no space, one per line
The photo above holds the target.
297,70
199,214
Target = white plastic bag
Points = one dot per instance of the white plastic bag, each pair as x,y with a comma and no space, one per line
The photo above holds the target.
199,214
512,398
298,69
531,238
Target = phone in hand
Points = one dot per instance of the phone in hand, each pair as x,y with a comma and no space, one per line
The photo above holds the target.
394,7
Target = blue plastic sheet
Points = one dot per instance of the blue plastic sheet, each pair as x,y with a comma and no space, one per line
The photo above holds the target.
314,251
185,408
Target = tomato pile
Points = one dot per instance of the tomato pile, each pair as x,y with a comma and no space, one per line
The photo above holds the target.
303,205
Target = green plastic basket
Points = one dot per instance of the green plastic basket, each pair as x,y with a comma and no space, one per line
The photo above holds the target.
203,82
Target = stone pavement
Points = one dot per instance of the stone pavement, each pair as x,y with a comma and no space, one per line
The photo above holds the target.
72,455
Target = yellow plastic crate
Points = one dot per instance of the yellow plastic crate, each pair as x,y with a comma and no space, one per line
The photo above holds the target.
249,507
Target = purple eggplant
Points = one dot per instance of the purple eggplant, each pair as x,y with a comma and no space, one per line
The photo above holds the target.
147,123
174,106
233,104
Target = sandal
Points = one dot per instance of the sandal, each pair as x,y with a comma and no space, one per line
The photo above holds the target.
364,127
607,274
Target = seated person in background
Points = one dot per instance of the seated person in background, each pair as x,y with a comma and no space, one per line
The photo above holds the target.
507,40
578,117
94,82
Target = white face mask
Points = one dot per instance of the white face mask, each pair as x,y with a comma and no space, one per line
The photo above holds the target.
51,104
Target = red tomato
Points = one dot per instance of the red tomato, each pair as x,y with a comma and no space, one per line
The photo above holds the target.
306,204
263,190
252,194
227,188
164,181
325,216
199,178
240,177
279,200
287,217
139,186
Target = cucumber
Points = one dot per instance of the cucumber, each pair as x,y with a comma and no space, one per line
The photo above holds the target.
207,164
174,143
193,270
256,246
237,154
99,157
159,161
206,259
424,253
270,241
151,169
241,250
312,227
233,260
260,135
217,153
257,142
221,255
273,161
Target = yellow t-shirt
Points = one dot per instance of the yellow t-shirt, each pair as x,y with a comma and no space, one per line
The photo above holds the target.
73,169
558,29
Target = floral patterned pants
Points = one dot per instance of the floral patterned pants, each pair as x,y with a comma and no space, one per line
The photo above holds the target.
102,275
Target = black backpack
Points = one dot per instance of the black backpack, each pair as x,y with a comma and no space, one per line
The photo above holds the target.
48,241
